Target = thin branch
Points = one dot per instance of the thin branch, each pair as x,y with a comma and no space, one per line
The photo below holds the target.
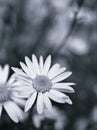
65,39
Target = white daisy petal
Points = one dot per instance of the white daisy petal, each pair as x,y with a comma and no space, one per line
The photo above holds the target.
30,67
5,73
1,75
30,101
18,71
58,72
23,79
0,110
53,70
8,106
0,69
35,63
16,83
63,87
25,68
24,93
22,88
18,95
61,77
41,65
21,83
57,96
47,65
11,80
69,101
17,110
47,102
18,101
57,93
65,84
40,103
21,96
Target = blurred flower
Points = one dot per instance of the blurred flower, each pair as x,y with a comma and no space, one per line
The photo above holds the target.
81,124
8,100
78,46
42,82
86,16
59,122
93,115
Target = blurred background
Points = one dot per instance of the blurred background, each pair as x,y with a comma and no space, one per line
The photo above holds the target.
66,29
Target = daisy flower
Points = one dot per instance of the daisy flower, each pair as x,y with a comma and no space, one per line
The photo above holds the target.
8,100
40,82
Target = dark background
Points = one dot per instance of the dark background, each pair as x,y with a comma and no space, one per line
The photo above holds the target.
66,29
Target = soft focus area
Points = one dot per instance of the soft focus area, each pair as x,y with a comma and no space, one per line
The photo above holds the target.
66,29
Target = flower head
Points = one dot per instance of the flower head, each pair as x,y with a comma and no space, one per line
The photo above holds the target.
38,80
8,100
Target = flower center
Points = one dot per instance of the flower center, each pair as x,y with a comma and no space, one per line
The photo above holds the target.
4,93
42,83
